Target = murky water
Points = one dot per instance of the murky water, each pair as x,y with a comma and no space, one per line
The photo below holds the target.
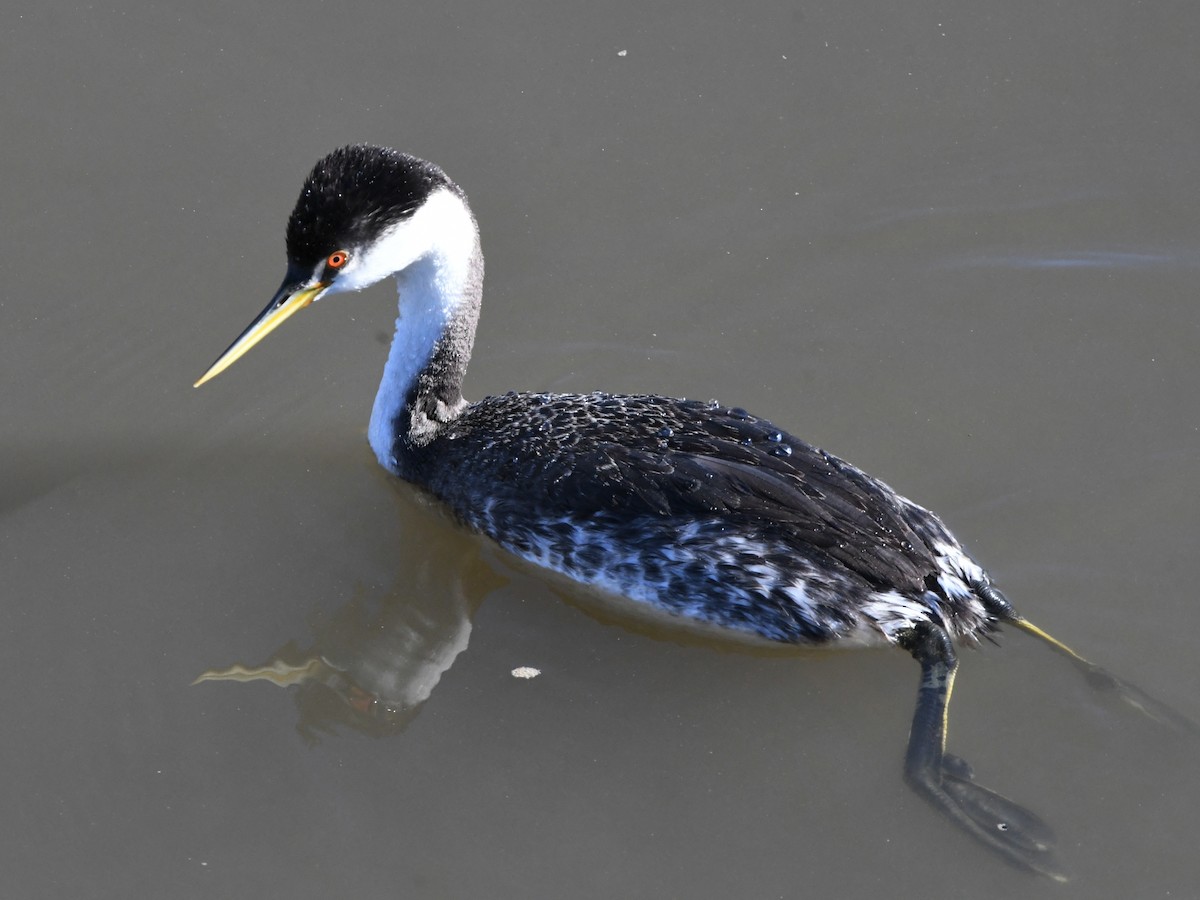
958,248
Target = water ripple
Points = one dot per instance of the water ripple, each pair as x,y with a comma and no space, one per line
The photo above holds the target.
1081,259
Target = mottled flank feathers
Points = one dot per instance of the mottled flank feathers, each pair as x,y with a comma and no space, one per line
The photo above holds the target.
700,510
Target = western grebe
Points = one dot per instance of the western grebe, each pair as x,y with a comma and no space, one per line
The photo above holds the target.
698,510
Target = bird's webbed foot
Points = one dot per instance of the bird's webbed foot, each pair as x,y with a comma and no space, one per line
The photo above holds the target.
1015,832
1101,679
957,767
1008,828
947,781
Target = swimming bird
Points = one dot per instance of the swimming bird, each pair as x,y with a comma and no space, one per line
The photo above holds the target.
701,511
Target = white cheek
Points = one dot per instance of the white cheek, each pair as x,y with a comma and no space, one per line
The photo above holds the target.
441,219
398,249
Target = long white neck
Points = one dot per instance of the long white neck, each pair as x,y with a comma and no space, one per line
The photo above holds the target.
439,295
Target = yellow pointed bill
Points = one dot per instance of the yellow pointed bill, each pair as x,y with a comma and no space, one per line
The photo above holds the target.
287,300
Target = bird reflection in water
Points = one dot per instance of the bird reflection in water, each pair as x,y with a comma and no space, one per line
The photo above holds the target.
373,663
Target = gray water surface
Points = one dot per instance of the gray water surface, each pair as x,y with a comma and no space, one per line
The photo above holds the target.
957,246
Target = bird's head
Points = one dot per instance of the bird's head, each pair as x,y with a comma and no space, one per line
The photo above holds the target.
354,224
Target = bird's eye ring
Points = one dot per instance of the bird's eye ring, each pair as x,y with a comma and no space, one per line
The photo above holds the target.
337,259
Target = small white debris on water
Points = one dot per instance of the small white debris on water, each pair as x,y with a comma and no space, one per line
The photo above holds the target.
622,53
526,672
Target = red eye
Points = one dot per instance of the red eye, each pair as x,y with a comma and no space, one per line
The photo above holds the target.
337,259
